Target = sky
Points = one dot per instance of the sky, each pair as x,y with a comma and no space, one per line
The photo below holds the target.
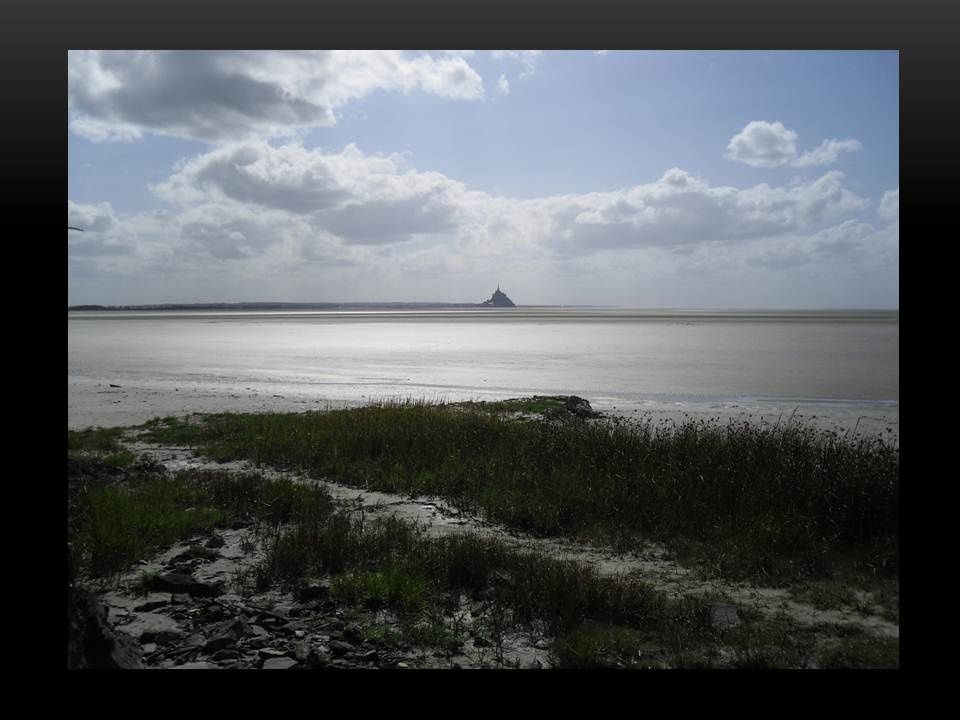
653,179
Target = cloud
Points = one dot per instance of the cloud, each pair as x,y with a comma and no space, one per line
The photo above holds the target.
890,206
504,85
220,96
680,209
826,153
358,198
528,59
378,200
254,213
763,144
90,218
771,144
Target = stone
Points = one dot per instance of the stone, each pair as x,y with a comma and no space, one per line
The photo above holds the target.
215,542
152,605
91,642
149,648
339,648
580,407
258,632
180,583
194,640
219,643
226,654
281,663
200,665
724,615
270,653
180,599
161,637
353,633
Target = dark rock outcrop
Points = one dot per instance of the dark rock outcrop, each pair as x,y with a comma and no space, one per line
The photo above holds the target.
91,642
580,407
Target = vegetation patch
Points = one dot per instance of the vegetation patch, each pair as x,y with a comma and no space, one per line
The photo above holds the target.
787,501
866,652
117,518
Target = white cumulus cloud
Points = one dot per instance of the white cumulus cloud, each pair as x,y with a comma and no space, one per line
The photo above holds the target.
890,205
771,144
504,85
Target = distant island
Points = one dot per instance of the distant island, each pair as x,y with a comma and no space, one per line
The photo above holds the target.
498,300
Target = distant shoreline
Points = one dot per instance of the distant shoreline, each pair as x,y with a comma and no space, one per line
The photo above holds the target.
291,306
476,306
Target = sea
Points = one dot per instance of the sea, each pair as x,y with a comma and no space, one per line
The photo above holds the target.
837,368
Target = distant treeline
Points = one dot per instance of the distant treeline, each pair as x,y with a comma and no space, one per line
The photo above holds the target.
282,306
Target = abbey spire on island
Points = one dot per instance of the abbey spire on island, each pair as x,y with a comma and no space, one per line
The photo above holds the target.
498,299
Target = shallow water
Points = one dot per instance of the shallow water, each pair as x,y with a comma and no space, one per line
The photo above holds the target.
842,367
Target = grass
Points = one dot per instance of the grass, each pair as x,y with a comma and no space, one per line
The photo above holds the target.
860,653
538,404
752,501
115,521
388,564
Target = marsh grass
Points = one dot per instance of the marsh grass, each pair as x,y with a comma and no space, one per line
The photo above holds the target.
752,501
116,519
861,653
390,564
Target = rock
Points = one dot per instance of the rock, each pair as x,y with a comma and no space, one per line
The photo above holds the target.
149,648
194,640
91,642
201,665
179,583
219,643
180,599
352,633
281,663
151,605
258,632
371,656
215,542
724,615
226,654
161,637
270,653
238,627
339,648
580,407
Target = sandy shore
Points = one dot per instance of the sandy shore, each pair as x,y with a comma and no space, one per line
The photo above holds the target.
115,402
